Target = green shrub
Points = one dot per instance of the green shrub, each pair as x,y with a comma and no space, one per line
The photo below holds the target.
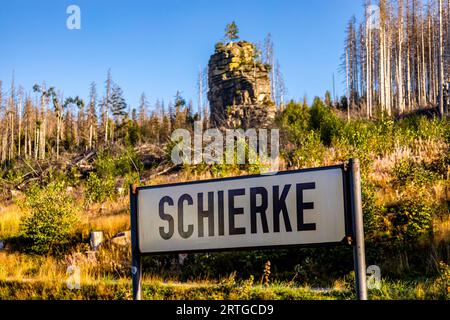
372,219
441,166
423,128
109,165
443,282
324,121
295,120
52,218
408,171
308,152
303,145
98,189
12,172
410,219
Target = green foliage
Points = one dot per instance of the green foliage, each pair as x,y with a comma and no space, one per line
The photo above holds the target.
52,218
227,289
98,190
74,176
125,162
410,219
219,46
371,212
408,171
118,104
308,131
422,127
131,133
303,144
443,282
325,121
101,184
232,31
295,119
12,172
308,151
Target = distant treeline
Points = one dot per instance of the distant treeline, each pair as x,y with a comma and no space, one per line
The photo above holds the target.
45,124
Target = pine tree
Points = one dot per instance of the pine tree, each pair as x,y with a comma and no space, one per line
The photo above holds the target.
119,111
118,104
232,31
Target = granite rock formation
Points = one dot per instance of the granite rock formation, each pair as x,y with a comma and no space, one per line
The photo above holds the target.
239,88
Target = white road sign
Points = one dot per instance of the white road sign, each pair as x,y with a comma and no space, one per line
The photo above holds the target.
291,208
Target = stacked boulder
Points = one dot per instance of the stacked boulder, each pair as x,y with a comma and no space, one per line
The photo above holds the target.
239,88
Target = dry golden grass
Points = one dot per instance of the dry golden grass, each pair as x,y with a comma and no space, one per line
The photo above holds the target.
429,150
10,217
112,217
109,262
110,207
110,225
441,227
22,266
421,150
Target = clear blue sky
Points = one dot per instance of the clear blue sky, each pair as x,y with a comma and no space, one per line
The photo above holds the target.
157,47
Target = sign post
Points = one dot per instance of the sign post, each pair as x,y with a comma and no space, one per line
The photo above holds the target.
359,255
303,208
136,263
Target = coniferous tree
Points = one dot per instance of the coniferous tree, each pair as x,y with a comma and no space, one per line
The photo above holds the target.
232,31
118,104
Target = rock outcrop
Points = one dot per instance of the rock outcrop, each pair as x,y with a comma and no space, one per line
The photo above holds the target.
239,88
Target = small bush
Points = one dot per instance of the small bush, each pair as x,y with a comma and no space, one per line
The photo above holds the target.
410,219
324,121
408,171
295,119
109,165
308,152
98,190
303,146
52,218
443,282
372,219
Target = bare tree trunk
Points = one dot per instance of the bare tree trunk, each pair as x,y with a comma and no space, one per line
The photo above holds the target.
382,69
401,102
431,84
43,127
347,84
388,86
11,130
408,75
200,93
424,70
36,142
4,143
441,62
108,97
369,71
58,134
91,129
19,118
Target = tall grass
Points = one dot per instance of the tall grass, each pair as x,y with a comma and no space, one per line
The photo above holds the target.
10,218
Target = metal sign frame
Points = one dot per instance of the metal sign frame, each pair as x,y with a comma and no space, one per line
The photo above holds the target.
353,225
